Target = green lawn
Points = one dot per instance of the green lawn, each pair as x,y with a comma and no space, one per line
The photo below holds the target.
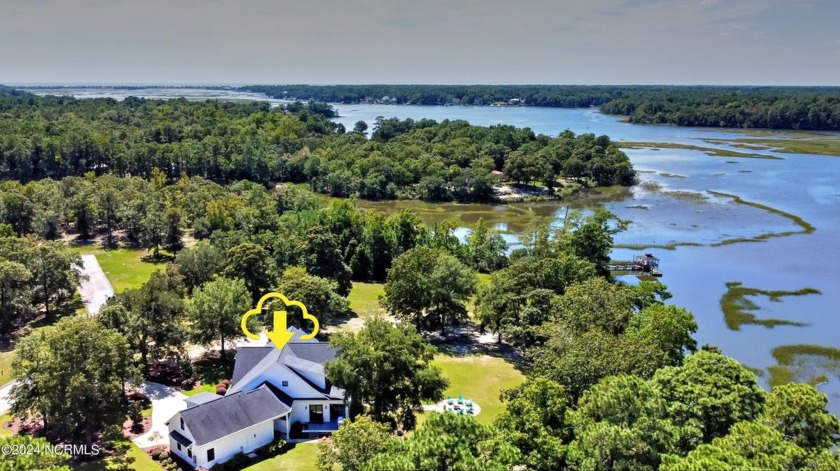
4,419
6,366
211,388
480,378
303,457
124,268
364,298
141,462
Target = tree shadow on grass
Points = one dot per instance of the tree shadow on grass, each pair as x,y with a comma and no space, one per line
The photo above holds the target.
211,369
465,340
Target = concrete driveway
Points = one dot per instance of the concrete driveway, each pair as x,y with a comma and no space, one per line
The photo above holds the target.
166,401
96,289
5,405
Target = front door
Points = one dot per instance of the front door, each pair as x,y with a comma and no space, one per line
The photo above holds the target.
336,411
316,414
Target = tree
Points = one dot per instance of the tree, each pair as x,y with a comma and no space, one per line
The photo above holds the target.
85,211
799,412
54,272
153,233
485,248
72,375
596,304
23,461
519,298
354,444
498,304
389,368
578,361
621,423
15,293
592,239
153,313
322,257
216,310
360,127
173,239
668,327
199,263
448,441
534,421
707,395
109,201
17,211
252,263
429,288
319,295
749,446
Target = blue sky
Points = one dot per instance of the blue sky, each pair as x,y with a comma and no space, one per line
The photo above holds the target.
794,42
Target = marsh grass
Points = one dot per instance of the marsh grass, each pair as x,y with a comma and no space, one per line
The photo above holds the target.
813,364
738,309
796,143
711,151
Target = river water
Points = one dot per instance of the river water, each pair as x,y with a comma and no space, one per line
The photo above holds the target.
681,213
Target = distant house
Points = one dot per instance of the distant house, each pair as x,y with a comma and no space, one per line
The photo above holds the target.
270,391
500,175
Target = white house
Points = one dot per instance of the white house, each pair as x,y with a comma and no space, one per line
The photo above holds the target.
269,392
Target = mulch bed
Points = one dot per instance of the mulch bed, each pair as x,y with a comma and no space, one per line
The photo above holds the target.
29,426
131,430
170,374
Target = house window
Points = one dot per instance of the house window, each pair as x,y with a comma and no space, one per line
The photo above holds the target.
285,384
182,423
179,447
189,452
211,454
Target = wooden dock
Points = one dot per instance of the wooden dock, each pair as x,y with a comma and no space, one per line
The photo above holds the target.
646,263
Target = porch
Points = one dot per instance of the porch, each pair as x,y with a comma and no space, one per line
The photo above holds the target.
328,426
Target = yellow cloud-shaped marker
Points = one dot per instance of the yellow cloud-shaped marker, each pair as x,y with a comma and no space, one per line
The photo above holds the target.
279,336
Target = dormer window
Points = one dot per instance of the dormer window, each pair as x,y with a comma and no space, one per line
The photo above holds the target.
285,384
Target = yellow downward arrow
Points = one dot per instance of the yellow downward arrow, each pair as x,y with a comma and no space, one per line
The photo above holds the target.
280,336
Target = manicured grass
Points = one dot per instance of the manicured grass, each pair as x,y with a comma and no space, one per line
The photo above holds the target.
211,388
364,298
303,457
124,267
6,366
480,378
4,419
140,461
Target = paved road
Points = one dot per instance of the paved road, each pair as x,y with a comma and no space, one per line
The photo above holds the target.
96,289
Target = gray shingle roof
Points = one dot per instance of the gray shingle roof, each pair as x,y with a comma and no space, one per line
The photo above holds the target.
180,438
320,352
300,357
246,359
221,417
201,399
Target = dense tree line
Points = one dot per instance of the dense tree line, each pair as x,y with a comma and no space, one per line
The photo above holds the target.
563,96
811,108
57,137
771,108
